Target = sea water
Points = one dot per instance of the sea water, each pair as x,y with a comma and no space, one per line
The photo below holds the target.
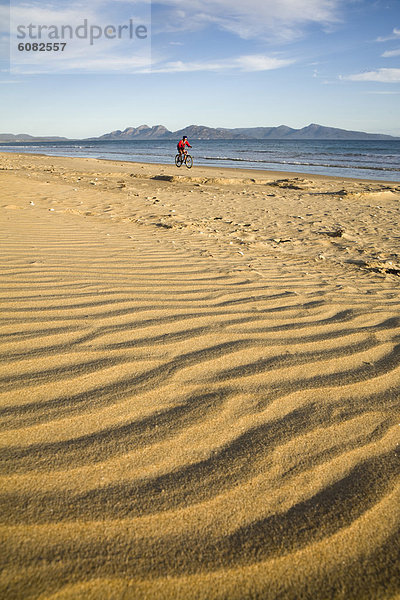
360,159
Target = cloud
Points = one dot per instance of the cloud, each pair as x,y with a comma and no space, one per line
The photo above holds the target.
391,53
384,93
257,62
87,49
283,20
129,64
395,35
380,75
55,15
252,62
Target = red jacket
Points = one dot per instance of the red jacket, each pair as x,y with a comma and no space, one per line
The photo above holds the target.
182,144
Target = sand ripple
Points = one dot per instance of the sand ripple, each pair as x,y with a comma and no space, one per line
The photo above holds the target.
175,425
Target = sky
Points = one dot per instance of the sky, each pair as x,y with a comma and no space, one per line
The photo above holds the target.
220,63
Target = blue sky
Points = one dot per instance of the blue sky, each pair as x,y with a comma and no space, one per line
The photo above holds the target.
229,63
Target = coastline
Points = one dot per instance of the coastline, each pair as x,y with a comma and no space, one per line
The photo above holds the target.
200,382
316,157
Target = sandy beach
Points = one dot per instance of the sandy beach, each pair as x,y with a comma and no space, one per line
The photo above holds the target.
200,383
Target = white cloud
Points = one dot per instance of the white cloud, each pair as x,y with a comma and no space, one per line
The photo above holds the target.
384,93
90,51
258,62
380,75
252,62
54,15
391,53
395,35
282,20
130,65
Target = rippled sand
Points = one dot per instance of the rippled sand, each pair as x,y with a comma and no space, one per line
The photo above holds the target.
200,383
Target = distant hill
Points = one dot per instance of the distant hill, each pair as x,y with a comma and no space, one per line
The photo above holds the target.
144,132
202,132
24,137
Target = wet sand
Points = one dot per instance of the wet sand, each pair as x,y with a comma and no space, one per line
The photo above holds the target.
199,383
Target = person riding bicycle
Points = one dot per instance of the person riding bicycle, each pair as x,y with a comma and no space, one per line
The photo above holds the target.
182,145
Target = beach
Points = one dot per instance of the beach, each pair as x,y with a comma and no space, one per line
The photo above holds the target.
199,383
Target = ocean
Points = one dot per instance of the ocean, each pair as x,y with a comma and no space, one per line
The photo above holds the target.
359,159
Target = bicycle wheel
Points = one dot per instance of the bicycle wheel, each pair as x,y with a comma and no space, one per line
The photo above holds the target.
189,161
178,160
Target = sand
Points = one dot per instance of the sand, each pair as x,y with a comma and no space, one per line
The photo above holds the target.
199,383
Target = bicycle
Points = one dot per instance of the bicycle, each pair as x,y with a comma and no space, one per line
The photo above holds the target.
184,158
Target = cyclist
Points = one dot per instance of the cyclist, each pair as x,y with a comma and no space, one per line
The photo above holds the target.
182,144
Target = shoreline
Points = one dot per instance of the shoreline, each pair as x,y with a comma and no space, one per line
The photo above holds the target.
196,168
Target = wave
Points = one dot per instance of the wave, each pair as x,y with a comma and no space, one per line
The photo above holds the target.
347,158
300,163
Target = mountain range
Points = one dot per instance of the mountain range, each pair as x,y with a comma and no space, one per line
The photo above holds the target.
201,132
283,132
24,137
